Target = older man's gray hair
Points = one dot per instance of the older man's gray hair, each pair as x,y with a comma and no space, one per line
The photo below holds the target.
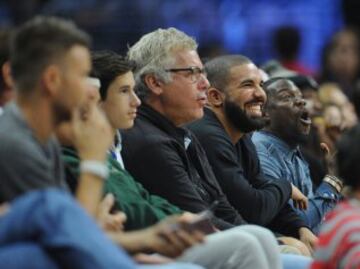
155,52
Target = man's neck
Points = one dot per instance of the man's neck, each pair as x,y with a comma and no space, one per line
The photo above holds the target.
167,112
290,142
234,134
38,115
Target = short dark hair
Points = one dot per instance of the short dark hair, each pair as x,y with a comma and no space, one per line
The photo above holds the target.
269,90
107,66
37,44
218,69
348,157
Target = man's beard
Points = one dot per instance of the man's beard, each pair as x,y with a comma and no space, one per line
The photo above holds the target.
240,120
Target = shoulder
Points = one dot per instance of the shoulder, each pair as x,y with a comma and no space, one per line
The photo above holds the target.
15,144
209,131
260,137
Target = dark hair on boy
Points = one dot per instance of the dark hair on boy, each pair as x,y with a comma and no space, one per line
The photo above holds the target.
348,158
39,43
107,66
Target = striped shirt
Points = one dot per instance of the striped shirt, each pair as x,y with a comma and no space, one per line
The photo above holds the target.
339,240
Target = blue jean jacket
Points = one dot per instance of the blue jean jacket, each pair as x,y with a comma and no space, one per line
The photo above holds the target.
278,162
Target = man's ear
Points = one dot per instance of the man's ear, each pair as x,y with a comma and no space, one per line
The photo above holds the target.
215,97
154,85
6,73
51,80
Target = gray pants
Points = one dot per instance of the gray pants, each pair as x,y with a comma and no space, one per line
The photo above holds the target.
243,247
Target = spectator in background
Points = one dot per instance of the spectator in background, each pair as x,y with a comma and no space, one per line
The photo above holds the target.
339,240
287,44
331,94
341,62
6,92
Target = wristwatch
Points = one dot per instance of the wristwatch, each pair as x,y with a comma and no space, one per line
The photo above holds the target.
334,182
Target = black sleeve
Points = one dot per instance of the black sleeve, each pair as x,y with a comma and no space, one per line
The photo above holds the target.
256,199
287,222
160,169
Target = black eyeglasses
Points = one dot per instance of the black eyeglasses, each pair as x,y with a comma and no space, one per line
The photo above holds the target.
194,72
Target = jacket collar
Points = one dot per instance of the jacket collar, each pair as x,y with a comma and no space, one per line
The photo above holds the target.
160,121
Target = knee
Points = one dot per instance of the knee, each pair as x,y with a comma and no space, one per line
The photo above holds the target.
257,231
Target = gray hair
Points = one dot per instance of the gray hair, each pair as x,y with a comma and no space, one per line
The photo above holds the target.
154,52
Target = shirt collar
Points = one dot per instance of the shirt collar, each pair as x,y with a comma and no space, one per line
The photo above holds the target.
282,145
182,135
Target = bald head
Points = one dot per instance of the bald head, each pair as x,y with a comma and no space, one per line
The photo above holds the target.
218,69
276,85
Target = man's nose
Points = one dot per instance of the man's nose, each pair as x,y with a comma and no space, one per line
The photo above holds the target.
203,83
301,102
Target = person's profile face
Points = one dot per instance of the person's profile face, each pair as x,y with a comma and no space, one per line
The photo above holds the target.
185,96
244,98
289,107
121,102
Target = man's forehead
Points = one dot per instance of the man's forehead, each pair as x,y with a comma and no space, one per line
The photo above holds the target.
283,85
187,58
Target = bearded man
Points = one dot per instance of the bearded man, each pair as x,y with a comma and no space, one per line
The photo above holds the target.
235,101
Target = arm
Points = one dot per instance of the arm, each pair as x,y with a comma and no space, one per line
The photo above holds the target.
287,222
92,139
245,185
160,238
24,167
160,167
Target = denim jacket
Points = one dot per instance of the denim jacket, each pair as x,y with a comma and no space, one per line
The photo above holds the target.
279,161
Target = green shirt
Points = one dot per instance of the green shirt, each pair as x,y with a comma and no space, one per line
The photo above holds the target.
141,208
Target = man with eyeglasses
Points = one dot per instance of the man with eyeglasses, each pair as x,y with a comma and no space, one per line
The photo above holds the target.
158,151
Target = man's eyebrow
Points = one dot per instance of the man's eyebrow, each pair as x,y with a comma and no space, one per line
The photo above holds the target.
287,90
246,81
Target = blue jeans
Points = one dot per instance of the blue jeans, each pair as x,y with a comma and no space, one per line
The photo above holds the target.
53,231
323,201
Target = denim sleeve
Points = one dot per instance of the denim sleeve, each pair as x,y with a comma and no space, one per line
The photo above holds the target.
269,165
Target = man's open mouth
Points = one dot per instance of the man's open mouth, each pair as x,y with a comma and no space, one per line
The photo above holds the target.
305,118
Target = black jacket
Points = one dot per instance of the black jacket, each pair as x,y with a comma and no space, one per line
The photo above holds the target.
237,169
155,154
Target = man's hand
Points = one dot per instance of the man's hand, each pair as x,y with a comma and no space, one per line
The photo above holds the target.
92,133
108,221
291,241
308,238
299,199
329,158
169,239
